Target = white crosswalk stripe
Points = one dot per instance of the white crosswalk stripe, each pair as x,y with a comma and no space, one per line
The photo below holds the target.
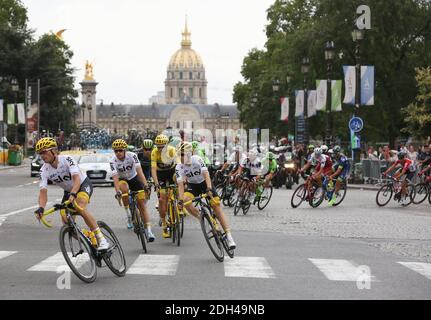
419,267
55,262
248,267
2,219
161,265
339,270
4,254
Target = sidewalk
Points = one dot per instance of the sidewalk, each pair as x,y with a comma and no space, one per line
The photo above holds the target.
363,187
25,163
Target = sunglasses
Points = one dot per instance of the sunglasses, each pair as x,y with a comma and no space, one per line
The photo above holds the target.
118,151
148,149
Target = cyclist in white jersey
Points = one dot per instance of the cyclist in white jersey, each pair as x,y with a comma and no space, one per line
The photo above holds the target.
127,174
64,172
192,170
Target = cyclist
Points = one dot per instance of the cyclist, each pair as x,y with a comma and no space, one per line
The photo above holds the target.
269,165
341,170
127,174
163,161
145,157
324,148
251,167
201,152
408,169
322,166
64,172
425,170
193,171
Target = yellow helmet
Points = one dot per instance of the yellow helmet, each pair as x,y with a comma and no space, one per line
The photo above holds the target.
186,147
161,139
45,143
119,144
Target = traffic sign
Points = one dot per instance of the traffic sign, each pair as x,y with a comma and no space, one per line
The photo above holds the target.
356,124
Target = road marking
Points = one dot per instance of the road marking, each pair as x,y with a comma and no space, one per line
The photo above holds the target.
248,267
4,254
339,270
56,261
160,265
25,209
2,219
419,267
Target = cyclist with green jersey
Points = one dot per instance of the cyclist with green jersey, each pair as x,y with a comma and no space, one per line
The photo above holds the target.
269,168
200,152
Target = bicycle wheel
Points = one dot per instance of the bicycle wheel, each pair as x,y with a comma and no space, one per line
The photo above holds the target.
421,193
265,197
298,196
233,199
429,197
77,251
318,196
341,194
220,190
211,235
177,230
141,229
247,204
411,194
238,205
114,256
384,195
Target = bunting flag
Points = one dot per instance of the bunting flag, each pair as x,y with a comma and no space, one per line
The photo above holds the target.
299,108
336,95
350,84
322,89
10,114
367,85
284,109
311,103
21,113
1,110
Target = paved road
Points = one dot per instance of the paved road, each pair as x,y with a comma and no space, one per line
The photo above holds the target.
283,253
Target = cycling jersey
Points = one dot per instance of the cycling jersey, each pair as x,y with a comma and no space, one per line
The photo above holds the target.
252,167
125,169
322,161
232,158
193,173
344,164
408,165
202,154
145,164
62,175
165,159
269,166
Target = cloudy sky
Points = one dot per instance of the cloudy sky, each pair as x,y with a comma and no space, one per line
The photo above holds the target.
130,42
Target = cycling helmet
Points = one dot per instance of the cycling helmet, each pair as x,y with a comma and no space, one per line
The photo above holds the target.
175,142
45,143
324,148
186,147
161,139
148,144
195,145
331,152
119,144
131,148
337,149
311,146
270,156
401,155
318,152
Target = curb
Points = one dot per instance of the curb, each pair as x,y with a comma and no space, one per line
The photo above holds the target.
362,187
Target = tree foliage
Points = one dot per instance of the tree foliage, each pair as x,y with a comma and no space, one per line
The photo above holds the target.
398,42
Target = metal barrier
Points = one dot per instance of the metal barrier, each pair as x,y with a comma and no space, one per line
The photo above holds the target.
373,169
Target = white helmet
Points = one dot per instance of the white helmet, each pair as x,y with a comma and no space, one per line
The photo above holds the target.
324,148
318,152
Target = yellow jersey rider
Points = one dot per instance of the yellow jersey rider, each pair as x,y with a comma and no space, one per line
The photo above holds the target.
163,161
64,172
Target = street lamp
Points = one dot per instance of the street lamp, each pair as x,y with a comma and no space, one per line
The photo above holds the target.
276,85
305,69
15,89
83,114
329,57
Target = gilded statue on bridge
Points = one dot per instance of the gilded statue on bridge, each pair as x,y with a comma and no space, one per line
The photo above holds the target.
89,71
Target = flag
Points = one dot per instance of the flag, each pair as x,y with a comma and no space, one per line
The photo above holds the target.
285,109
1,110
350,84
299,108
312,96
10,114
322,87
21,113
336,95
367,85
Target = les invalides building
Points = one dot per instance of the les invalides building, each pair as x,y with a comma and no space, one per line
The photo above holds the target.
183,104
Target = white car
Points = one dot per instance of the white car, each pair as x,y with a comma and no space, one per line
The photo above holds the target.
96,167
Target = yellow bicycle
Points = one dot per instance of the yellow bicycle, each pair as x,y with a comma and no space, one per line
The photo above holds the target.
175,216
79,246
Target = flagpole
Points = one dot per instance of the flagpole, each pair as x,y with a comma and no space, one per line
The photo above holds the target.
25,117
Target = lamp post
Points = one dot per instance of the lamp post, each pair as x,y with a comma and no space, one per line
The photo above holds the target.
288,81
83,114
15,89
305,69
329,57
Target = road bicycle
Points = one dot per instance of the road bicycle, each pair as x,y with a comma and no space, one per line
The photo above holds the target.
393,187
79,246
324,192
212,230
175,222
303,193
422,191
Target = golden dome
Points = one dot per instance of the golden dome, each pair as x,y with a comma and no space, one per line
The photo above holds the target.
186,57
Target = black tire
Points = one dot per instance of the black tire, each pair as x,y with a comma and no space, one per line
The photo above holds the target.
141,229
421,192
114,256
246,207
264,200
298,196
342,192
233,199
211,235
182,225
68,236
238,204
177,226
230,253
386,192
429,197
411,194
317,198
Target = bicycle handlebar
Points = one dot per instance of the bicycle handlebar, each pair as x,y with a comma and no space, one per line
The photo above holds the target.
55,208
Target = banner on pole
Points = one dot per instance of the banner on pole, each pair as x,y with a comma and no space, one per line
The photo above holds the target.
336,95
284,109
21,113
1,110
299,108
10,114
350,84
367,85
311,100
32,113
322,87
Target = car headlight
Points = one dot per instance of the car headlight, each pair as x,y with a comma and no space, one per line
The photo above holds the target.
289,165
217,163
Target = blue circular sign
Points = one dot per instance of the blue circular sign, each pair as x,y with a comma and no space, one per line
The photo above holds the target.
356,124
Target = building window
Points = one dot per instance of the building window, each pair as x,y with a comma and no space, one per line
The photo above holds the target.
199,75
181,76
191,92
178,124
180,92
200,92
172,92
190,75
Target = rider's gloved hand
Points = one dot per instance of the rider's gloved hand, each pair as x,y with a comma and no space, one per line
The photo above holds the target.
180,204
39,213
118,195
209,192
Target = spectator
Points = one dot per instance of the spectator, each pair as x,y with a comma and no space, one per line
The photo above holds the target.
412,154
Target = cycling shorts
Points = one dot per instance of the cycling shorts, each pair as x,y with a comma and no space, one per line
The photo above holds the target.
85,191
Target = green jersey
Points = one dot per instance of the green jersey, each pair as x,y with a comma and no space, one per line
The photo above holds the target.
269,166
